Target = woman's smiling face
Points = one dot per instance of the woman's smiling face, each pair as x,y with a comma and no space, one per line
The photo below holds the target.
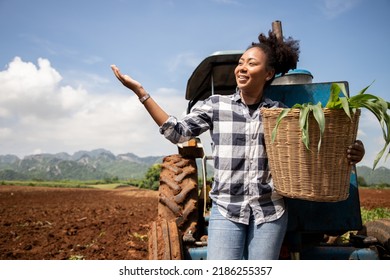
252,72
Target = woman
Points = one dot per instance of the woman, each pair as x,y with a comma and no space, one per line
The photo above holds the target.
248,219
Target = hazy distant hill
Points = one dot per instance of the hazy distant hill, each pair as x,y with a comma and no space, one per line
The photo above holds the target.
380,175
82,165
102,164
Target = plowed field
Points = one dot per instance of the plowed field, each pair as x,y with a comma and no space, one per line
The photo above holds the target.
57,223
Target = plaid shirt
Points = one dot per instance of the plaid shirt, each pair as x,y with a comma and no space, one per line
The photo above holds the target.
242,180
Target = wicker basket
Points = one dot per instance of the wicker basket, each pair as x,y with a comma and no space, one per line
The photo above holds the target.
313,175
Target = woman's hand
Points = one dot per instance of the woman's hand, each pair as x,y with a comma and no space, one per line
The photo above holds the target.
355,152
127,81
156,112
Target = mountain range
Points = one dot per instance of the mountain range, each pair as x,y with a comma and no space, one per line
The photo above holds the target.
102,164
380,175
83,165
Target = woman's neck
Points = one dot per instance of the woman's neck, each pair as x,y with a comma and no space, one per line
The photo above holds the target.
251,98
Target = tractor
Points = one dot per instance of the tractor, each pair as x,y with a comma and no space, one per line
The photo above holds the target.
314,228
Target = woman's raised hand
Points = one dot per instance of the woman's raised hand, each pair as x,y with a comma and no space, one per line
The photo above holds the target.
127,81
156,112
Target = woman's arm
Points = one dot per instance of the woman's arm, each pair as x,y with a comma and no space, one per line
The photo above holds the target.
156,112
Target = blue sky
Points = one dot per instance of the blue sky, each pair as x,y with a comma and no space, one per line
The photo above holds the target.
58,94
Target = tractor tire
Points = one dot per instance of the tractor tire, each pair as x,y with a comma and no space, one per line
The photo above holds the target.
380,229
178,194
164,241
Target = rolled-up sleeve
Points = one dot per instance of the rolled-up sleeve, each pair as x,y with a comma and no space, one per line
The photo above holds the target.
192,125
170,129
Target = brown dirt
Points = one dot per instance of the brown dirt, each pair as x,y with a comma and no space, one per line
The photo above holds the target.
372,198
56,223
53,223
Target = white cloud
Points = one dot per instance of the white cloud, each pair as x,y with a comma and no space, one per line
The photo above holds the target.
24,78
25,89
72,98
227,2
5,132
38,113
334,8
186,59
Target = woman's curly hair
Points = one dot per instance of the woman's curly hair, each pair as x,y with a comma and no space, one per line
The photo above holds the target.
282,55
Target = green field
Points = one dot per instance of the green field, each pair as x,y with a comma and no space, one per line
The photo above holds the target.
374,214
97,184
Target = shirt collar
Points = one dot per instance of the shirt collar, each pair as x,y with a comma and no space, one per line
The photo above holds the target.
265,101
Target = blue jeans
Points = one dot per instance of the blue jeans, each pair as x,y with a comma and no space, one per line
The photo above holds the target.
228,240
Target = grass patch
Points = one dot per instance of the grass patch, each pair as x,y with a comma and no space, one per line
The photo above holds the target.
374,214
142,237
58,184
97,184
105,186
76,257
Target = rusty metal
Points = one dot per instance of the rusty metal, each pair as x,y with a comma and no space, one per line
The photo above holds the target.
277,29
